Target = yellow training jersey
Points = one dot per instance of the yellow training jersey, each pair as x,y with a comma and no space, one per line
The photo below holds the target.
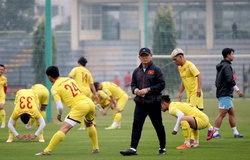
83,79
188,73
66,90
186,108
42,92
113,89
3,83
26,101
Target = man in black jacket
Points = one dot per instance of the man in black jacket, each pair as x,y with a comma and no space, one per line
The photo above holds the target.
147,84
225,85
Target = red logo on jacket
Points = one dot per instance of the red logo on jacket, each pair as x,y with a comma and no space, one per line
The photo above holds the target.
151,71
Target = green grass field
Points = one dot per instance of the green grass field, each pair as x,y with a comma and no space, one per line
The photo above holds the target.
77,146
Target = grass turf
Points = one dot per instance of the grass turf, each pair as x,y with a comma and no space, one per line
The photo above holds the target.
77,145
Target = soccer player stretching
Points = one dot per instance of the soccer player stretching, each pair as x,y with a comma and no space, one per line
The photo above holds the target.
65,90
190,118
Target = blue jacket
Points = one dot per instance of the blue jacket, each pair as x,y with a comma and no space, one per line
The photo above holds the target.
224,79
153,78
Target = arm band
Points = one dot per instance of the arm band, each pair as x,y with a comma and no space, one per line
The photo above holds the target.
236,88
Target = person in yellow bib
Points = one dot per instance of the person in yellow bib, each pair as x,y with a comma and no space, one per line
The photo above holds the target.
3,90
65,91
84,80
26,107
118,100
43,96
191,82
189,118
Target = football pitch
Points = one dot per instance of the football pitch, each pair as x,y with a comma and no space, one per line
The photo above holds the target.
77,145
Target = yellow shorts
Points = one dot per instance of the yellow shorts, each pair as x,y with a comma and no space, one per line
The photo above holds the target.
196,101
84,108
202,121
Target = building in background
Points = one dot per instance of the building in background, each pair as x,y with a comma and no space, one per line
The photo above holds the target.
109,34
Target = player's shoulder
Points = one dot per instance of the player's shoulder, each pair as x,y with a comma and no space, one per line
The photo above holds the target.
3,77
38,86
29,92
189,63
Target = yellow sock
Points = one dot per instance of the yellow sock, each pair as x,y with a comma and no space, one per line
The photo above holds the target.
43,113
3,116
195,134
55,140
186,130
93,136
118,117
41,134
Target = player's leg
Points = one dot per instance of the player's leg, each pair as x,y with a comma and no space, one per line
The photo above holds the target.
140,115
58,136
198,102
232,122
82,125
117,120
2,113
186,133
74,117
224,105
156,119
43,111
218,120
118,115
90,126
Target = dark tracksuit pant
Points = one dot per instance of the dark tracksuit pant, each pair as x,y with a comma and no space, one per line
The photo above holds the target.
140,113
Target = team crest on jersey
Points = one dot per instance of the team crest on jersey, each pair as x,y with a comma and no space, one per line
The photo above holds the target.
151,71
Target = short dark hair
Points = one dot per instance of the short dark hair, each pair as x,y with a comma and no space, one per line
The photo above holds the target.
165,98
226,51
25,117
83,61
1,65
52,71
96,84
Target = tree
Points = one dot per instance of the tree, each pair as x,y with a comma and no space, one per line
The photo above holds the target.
17,15
38,59
164,42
